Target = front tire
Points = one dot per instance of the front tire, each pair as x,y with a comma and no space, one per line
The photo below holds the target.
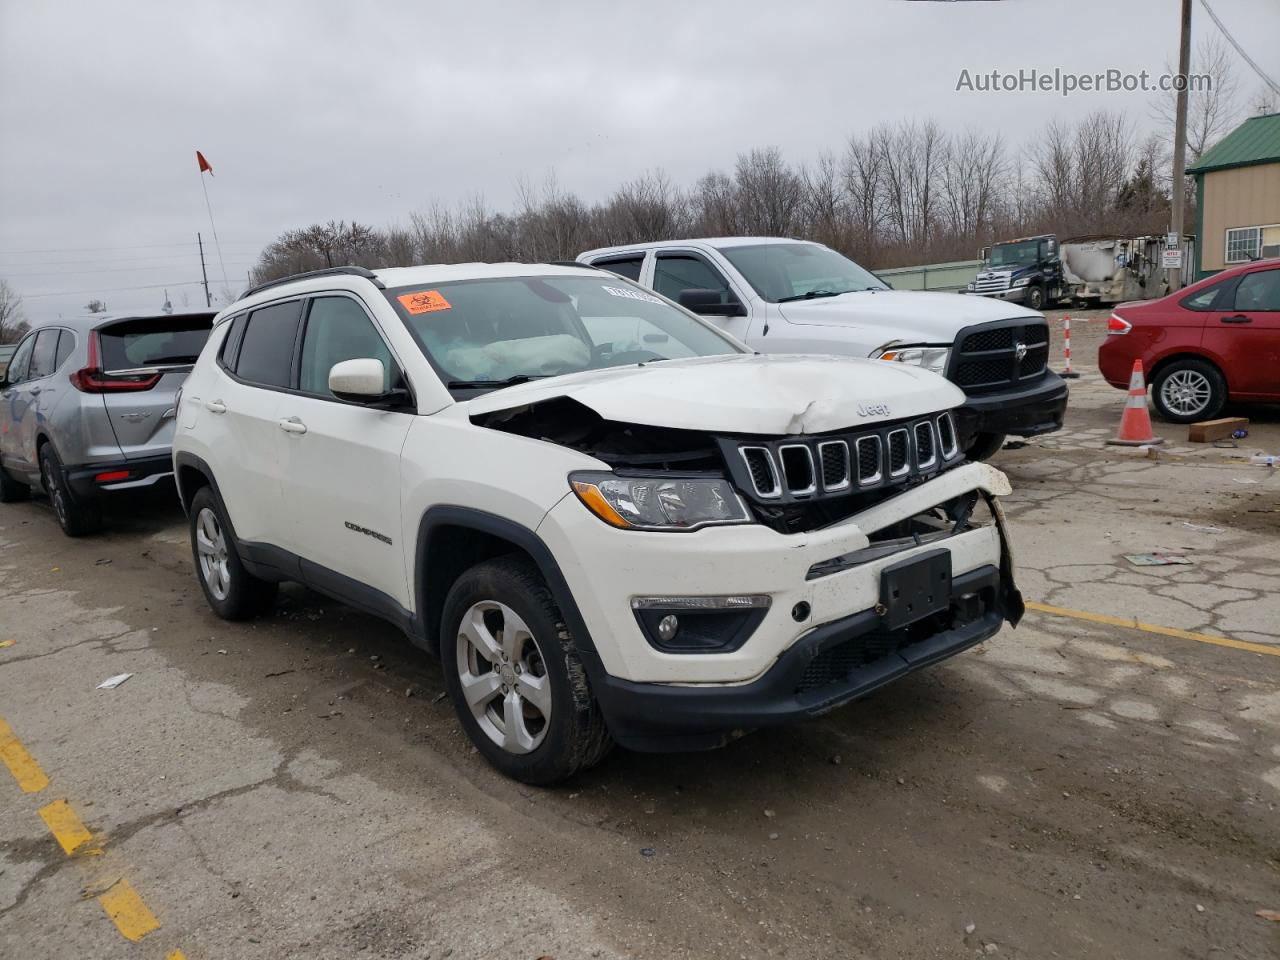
512,670
1188,390
232,591
984,446
76,517
1035,298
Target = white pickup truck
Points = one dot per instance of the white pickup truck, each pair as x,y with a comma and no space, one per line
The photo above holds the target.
791,296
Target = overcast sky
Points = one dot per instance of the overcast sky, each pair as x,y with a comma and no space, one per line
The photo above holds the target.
318,110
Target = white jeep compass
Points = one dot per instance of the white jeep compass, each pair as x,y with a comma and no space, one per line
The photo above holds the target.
612,522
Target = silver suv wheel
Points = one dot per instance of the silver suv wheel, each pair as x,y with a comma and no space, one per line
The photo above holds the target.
503,676
211,547
1186,392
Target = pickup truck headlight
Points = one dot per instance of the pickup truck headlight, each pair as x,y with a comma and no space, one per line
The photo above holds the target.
931,358
1021,282
659,503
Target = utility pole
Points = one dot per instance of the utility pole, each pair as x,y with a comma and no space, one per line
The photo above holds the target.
1180,145
205,274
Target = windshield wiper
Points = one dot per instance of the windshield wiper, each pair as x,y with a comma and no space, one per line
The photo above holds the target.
814,294
496,384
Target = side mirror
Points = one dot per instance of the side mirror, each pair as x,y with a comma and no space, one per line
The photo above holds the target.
362,381
708,303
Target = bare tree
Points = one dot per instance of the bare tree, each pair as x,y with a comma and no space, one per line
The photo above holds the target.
973,172
1211,112
96,306
768,193
13,321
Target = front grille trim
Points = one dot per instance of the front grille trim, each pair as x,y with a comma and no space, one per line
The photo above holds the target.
906,459
776,492
951,448
879,474
794,490
846,481
927,427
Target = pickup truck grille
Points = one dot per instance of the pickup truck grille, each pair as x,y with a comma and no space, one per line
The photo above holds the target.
799,469
999,355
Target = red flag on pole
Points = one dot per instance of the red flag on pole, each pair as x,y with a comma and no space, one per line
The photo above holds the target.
204,164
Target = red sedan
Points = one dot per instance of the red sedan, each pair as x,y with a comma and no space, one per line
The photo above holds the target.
1214,341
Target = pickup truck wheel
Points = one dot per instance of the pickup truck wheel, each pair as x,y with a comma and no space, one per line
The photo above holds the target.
232,591
1035,298
76,517
513,672
984,446
1188,390
11,491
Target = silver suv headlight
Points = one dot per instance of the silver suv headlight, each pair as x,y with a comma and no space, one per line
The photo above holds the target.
659,503
931,358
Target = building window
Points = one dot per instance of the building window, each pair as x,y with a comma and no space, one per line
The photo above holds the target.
1250,243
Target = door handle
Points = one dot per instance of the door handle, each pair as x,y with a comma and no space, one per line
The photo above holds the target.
34,390
1238,318
215,406
292,425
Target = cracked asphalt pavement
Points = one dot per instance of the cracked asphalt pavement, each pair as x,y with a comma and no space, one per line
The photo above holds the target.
297,787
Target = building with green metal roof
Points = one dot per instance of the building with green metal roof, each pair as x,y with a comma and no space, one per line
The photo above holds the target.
1238,197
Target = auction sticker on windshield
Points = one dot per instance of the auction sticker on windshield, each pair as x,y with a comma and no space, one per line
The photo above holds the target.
631,294
424,301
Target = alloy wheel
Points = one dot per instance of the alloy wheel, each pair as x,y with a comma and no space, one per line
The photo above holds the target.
211,547
1186,392
503,676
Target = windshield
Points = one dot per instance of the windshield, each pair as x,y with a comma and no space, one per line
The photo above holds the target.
798,271
483,334
1018,254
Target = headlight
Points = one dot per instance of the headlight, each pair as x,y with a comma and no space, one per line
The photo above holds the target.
971,286
659,503
1021,282
931,358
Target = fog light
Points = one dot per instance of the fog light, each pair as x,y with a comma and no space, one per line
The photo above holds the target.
668,626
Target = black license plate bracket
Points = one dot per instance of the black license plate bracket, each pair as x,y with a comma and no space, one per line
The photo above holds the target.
913,589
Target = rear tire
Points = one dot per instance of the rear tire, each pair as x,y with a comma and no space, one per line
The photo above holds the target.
984,446
232,591
77,517
11,490
1188,390
512,670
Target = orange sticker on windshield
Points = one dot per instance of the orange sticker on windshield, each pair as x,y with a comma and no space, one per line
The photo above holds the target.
424,301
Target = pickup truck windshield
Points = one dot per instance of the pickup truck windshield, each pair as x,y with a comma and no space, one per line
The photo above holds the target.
1015,254
799,271
491,333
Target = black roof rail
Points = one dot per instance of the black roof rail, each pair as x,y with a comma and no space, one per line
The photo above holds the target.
324,272
573,263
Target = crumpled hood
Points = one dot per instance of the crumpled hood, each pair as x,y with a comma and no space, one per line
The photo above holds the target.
911,316
768,395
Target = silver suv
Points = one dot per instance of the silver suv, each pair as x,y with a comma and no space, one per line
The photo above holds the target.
87,407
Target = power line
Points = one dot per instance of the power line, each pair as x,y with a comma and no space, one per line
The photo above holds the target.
1239,49
67,263
139,246
80,293
76,273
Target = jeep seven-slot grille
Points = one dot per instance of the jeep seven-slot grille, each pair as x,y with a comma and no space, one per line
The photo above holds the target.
1000,355
800,469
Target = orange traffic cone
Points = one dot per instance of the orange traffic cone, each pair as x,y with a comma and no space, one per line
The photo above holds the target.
1135,424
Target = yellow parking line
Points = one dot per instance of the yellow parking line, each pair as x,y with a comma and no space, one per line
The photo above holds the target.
1134,624
21,764
66,827
128,912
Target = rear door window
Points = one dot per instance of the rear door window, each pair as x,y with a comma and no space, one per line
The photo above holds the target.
44,355
628,266
152,342
267,349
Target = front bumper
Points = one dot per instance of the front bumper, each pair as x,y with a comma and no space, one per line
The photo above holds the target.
828,667
605,568
142,472
1022,411
1012,295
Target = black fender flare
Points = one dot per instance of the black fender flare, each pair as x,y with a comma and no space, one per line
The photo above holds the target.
448,515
